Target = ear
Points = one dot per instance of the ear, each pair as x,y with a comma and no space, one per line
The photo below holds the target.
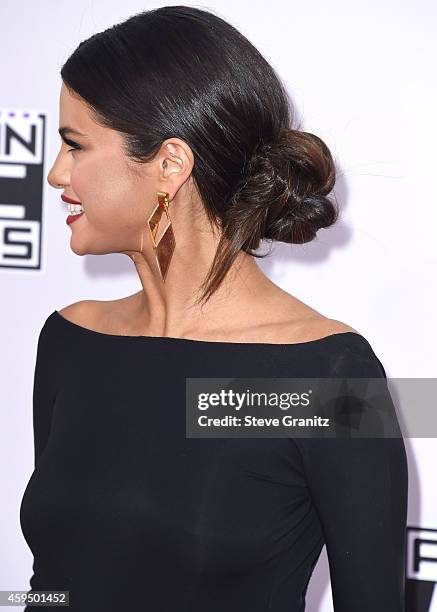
176,159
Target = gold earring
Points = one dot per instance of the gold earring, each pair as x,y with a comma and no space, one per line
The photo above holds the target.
165,245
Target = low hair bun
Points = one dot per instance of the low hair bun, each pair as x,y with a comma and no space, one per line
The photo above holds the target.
286,186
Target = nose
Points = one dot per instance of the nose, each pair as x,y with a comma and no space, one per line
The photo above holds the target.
59,175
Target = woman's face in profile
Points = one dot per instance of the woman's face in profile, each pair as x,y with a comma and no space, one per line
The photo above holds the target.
116,195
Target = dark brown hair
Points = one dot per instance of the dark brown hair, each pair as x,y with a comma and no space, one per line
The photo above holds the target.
179,71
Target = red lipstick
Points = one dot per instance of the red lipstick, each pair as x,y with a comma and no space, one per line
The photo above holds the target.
69,200
72,218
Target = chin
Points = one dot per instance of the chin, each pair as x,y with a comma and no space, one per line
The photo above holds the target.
86,249
79,249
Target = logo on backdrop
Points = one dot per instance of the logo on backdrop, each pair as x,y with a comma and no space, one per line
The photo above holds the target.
22,137
421,570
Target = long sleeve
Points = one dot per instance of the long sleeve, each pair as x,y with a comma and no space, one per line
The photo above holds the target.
359,488
44,390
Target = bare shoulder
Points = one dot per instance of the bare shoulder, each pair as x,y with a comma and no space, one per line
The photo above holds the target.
106,316
338,327
307,323
314,328
85,312
299,322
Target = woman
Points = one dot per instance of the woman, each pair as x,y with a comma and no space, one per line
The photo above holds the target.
178,150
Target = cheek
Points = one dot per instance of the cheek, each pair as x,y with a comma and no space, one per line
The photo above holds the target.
110,194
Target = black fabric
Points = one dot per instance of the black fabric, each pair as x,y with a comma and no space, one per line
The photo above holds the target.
128,514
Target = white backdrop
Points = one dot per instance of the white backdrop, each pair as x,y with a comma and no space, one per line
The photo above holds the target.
362,77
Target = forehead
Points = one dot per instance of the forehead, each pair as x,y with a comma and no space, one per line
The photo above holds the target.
75,113
73,110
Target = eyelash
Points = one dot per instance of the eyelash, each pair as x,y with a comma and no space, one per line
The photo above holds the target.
73,144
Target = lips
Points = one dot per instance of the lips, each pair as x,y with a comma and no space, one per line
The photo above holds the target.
68,200
72,218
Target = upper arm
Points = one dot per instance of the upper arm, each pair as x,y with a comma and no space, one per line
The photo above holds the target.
359,488
44,389
48,362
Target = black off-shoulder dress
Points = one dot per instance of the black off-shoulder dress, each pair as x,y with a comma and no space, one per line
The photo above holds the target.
128,514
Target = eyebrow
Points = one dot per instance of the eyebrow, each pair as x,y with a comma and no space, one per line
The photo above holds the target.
63,131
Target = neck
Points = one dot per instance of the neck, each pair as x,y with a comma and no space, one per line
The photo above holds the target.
168,308
246,296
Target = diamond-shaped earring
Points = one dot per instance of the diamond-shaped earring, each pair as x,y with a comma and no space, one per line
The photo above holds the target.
165,244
